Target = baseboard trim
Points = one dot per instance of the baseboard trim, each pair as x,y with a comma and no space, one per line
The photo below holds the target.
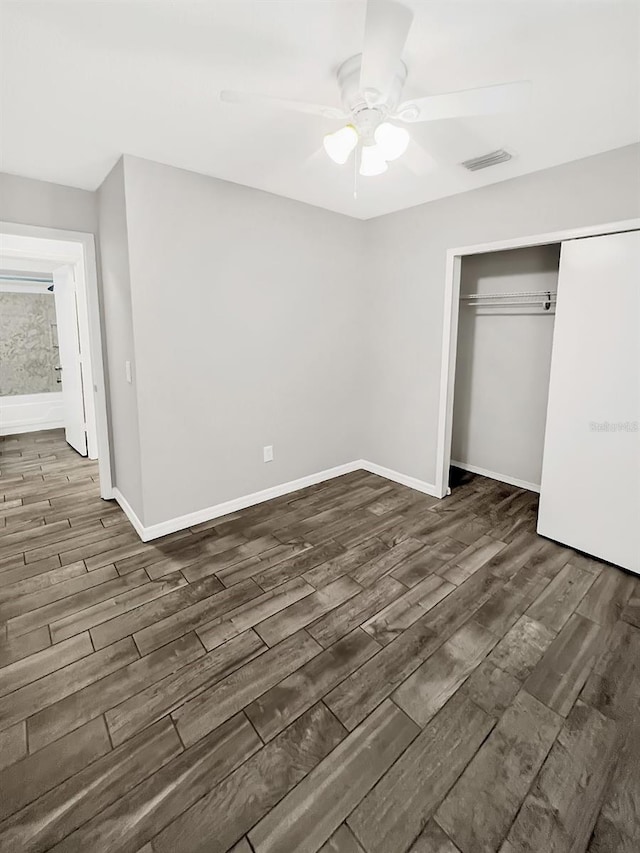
128,510
503,478
163,528
397,477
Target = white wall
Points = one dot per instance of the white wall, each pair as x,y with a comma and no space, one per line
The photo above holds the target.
248,327
405,290
503,363
118,338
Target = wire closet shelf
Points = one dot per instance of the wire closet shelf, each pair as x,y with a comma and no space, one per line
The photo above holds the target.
545,299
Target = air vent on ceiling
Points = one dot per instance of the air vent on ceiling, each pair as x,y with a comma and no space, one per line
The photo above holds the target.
491,159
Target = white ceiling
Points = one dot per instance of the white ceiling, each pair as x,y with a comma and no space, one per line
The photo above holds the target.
84,81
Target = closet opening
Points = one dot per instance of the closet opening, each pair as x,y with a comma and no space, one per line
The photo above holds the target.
503,359
542,401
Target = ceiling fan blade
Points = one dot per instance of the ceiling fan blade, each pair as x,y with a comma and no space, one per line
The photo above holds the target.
253,99
449,143
418,160
386,29
488,100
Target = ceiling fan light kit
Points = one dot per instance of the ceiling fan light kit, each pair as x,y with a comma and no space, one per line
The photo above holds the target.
372,161
391,140
371,85
340,144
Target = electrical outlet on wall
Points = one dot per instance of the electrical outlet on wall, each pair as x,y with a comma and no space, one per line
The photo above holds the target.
267,453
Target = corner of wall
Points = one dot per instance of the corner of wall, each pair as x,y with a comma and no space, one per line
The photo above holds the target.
119,340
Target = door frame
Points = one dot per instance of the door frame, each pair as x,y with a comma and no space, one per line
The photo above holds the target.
78,249
450,323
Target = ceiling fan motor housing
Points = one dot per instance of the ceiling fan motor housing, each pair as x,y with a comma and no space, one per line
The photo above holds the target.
368,108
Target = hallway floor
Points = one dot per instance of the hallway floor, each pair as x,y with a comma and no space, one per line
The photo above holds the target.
352,667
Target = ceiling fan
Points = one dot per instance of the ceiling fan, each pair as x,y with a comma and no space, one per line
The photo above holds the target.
371,86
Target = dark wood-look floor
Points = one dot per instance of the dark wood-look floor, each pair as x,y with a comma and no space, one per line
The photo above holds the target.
354,667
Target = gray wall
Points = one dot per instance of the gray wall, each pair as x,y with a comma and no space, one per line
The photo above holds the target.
119,340
259,320
503,363
28,354
247,315
406,258
29,202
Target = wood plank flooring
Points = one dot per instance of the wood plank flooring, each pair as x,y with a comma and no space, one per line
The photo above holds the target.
353,668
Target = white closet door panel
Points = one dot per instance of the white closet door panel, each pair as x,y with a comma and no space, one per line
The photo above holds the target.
64,291
590,493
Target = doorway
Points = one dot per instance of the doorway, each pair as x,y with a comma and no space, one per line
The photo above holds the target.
503,362
62,265
451,315
592,391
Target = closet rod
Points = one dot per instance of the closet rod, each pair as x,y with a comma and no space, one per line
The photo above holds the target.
541,295
28,278
521,304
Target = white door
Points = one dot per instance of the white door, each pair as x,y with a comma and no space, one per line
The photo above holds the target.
64,292
590,492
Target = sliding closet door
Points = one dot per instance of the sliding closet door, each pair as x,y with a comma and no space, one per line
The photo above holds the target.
590,494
